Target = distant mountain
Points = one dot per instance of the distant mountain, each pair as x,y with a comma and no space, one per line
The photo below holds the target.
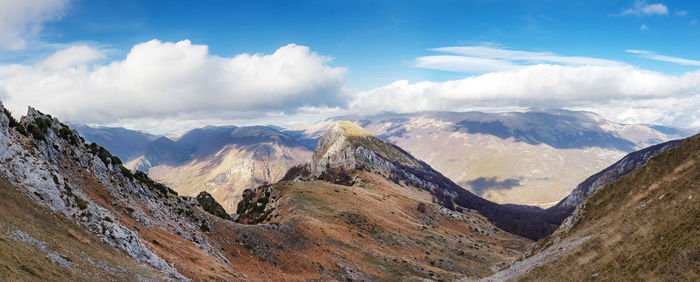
619,169
641,226
533,157
221,160
125,143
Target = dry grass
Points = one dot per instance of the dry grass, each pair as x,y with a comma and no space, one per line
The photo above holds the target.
352,130
377,229
24,261
646,225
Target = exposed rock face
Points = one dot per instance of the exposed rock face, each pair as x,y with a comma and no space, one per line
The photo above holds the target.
88,185
347,146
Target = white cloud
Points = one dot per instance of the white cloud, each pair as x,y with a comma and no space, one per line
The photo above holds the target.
641,8
653,56
643,27
72,56
681,13
463,63
486,58
166,80
21,20
612,87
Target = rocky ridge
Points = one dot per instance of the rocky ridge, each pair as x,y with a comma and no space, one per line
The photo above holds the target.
89,186
346,146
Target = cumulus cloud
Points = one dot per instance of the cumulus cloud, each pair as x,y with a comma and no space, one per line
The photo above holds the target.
641,8
21,20
172,79
548,85
486,58
653,56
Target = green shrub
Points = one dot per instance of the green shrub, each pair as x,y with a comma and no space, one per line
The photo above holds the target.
104,155
82,204
126,172
13,121
21,129
204,227
116,160
162,189
42,123
36,132
65,133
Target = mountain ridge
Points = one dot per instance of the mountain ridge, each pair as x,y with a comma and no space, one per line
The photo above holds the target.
338,153
512,170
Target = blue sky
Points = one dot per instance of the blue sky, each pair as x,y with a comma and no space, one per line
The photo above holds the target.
379,43
377,40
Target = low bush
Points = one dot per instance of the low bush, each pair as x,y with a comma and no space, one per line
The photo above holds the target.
36,132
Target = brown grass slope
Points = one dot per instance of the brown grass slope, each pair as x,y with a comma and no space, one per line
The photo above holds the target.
644,226
372,230
30,235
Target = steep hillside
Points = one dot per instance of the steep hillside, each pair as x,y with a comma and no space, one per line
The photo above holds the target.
85,187
221,160
37,245
534,157
643,226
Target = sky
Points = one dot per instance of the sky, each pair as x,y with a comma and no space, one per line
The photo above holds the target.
162,66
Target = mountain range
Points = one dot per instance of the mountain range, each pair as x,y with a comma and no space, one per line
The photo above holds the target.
533,157
221,160
360,209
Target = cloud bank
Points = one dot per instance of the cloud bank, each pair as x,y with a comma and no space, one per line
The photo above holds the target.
513,78
22,20
164,86
172,79
641,8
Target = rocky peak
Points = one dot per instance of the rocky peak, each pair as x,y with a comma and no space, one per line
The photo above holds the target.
347,146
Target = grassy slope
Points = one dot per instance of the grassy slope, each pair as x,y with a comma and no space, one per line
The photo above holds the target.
377,228
646,225
20,260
